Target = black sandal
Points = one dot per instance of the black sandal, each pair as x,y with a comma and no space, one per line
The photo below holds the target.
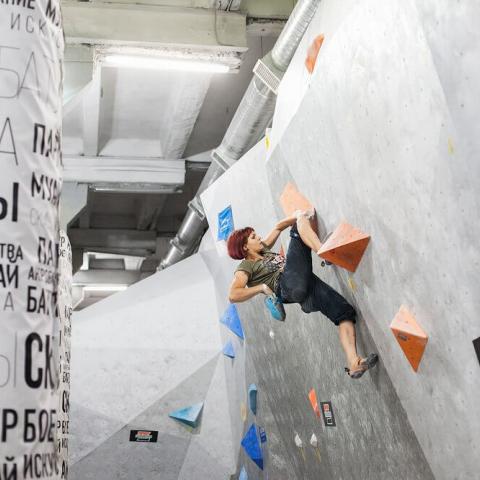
366,364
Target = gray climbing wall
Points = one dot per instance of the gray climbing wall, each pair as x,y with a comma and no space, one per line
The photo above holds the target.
382,135
136,357
286,360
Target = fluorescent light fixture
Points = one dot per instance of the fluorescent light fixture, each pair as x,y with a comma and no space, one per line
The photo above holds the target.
105,288
158,63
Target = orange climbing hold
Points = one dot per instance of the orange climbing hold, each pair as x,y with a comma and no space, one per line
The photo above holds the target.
312,53
345,247
313,400
291,199
410,336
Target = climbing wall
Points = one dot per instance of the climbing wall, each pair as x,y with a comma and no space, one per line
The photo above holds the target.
381,135
395,151
286,360
137,358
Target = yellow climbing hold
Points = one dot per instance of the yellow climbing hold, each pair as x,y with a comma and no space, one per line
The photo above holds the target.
352,284
243,412
450,146
267,142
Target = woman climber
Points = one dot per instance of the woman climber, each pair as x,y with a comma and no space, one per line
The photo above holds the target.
291,280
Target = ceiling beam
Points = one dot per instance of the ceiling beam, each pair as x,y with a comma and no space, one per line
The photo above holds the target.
113,240
124,170
229,5
220,4
91,114
268,8
98,277
265,27
153,26
162,224
172,3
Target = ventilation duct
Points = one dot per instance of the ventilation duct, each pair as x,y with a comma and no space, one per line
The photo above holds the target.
249,122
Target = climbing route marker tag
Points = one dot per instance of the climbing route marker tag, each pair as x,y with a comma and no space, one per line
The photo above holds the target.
143,436
328,416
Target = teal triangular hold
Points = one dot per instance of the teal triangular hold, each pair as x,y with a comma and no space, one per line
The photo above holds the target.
231,319
252,398
243,474
189,415
228,350
252,446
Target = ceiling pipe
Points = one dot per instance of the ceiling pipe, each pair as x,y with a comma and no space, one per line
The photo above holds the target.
249,122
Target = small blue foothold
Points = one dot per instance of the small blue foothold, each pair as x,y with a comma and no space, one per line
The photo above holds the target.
252,446
263,434
231,320
252,398
228,350
243,474
188,415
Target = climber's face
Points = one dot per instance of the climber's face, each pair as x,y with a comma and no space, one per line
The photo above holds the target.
254,244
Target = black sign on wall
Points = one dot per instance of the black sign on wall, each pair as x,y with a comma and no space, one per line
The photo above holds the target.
143,436
327,412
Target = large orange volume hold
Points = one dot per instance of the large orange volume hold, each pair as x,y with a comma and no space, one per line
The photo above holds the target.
345,247
410,336
291,199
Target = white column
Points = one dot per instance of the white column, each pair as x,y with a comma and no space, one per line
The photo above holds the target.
31,70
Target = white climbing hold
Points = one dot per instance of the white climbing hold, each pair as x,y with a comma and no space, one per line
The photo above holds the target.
298,441
314,441
272,334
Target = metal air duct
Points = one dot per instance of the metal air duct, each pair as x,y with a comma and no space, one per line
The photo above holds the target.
249,122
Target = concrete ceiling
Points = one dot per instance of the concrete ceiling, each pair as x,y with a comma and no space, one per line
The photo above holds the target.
137,142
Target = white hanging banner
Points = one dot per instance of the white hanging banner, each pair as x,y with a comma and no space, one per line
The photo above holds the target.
64,333
31,65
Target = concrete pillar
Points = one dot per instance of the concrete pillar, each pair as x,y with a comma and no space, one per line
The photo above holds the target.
31,71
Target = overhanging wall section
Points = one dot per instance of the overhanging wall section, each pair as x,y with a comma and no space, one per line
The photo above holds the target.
383,138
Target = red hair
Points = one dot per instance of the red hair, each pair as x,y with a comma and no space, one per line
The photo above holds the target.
235,242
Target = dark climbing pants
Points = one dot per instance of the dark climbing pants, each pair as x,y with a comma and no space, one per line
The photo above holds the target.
298,284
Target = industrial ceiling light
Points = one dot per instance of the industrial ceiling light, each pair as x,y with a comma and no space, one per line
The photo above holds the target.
158,63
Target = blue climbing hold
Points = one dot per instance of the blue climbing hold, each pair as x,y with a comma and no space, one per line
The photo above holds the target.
263,434
231,320
243,474
251,446
228,350
188,415
252,398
